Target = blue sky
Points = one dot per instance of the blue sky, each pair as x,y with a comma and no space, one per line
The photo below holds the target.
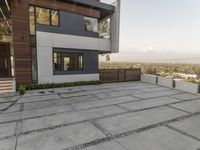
159,25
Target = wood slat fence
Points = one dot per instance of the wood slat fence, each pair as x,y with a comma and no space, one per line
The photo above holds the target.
119,75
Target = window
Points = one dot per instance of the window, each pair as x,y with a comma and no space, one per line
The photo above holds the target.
34,64
43,16
47,16
32,20
104,28
67,61
57,61
32,40
91,24
54,18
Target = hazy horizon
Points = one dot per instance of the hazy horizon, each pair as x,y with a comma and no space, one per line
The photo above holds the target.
159,31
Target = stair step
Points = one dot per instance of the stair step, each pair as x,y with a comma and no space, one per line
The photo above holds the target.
5,88
3,85
6,91
6,82
6,85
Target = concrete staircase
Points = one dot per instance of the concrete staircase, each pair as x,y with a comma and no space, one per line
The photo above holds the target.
7,85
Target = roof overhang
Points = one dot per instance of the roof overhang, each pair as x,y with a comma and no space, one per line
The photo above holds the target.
5,17
5,7
104,8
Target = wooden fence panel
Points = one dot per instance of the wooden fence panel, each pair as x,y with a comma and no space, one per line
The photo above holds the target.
133,74
119,75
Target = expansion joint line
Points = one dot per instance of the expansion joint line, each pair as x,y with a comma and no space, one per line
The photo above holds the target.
104,131
183,133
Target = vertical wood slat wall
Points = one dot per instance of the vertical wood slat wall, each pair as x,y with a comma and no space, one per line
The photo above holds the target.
119,75
21,38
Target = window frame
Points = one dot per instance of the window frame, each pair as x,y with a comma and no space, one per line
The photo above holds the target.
92,18
50,19
58,18
63,72
34,20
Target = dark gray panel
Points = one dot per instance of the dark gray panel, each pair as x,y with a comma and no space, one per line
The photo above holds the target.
70,23
90,61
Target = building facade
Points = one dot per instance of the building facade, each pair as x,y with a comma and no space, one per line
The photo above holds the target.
53,41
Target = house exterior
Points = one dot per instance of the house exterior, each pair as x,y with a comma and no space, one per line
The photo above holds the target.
54,41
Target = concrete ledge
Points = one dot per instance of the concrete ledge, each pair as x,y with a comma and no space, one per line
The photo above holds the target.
165,82
187,86
149,78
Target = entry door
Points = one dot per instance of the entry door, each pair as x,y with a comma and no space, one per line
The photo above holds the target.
4,61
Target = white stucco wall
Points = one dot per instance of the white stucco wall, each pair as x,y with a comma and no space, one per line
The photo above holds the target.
46,42
45,39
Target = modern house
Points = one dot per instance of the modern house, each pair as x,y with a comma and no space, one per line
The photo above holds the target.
53,41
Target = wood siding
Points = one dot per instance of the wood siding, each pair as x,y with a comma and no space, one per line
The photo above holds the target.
21,38
21,41
53,4
119,75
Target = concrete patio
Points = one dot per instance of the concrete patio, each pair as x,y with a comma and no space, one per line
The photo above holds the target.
119,116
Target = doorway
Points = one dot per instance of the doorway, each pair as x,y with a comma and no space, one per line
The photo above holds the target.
5,63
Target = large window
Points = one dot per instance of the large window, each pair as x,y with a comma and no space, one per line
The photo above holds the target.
67,61
91,24
104,28
42,16
47,16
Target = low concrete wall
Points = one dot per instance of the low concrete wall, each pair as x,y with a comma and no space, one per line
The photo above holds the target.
165,82
149,78
187,86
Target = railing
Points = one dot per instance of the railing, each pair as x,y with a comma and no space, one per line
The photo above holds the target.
171,83
119,75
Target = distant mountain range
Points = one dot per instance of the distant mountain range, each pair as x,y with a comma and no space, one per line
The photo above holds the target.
156,57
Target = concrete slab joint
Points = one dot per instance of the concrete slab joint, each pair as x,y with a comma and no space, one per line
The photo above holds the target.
117,116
